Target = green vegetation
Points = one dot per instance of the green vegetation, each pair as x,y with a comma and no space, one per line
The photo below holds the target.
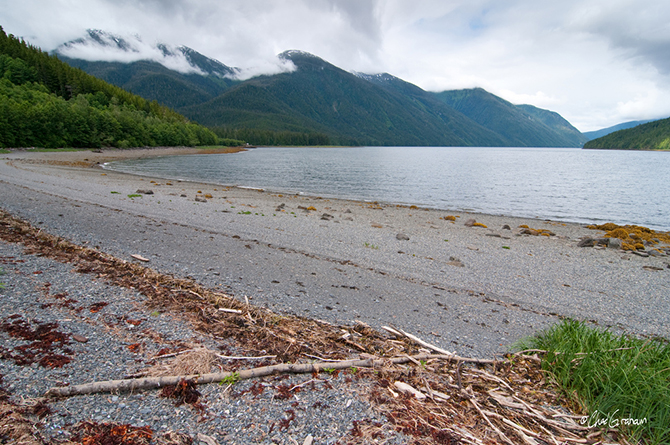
520,125
46,103
134,195
615,380
654,135
230,379
2,272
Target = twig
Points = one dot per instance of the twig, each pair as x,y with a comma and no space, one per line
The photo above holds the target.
229,357
230,311
495,428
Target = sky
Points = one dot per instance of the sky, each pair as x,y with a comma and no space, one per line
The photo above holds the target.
596,62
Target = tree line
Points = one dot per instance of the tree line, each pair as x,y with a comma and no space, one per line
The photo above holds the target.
46,103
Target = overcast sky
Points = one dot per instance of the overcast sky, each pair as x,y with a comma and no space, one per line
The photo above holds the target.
596,62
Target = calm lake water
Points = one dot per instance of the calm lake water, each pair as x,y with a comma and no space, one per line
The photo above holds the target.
567,184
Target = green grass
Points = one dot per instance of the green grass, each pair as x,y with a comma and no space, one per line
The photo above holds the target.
613,378
134,195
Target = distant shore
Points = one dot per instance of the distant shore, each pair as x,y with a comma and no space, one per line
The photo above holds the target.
475,289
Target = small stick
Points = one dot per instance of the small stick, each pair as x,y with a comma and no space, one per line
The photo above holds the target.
230,311
228,357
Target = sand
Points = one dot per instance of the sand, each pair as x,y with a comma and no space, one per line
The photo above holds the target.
472,290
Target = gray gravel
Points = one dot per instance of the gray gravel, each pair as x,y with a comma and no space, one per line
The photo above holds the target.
352,266
472,290
40,291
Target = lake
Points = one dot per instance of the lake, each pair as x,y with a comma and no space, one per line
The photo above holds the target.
564,184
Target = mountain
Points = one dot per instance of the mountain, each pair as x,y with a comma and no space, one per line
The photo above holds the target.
44,102
176,77
315,98
605,131
654,135
320,97
520,125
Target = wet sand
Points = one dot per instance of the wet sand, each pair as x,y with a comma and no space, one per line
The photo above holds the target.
473,290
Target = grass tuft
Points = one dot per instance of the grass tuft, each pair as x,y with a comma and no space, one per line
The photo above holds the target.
616,380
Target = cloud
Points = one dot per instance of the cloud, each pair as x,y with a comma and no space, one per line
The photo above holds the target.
100,46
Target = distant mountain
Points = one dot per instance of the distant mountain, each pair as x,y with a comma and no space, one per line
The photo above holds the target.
317,98
520,125
605,131
654,135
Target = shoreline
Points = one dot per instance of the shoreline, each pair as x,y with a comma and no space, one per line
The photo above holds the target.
476,290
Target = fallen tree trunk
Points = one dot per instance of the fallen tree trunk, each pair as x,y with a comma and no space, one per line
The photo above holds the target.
159,382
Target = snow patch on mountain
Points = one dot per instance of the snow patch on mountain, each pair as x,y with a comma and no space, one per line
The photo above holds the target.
102,46
99,46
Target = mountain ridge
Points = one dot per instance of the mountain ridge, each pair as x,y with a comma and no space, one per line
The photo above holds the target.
349,108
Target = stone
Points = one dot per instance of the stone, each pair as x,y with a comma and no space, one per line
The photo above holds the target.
326,217
453,261
529,232
614,243
470,223
79,338
402,237
199,199
642,254
506,227
586,241
145,192
496,235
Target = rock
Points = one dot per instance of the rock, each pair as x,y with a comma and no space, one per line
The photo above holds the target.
614,243
199,199
506,227
326,217
145,192
183,196
79,338
586,241
529,232
496,235
470,223
402,237
642,254
280,207
453,261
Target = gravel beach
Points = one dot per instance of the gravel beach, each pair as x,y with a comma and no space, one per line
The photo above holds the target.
470,289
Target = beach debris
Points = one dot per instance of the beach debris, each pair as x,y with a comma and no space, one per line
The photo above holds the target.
145,192
200,199
506,227
280,207
327,217
377,226
402,237
525,230
451,218
408,389
453,261
473,223
140,258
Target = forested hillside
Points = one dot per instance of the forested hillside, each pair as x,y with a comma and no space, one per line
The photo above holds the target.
654,135
320,98
520,125
46,103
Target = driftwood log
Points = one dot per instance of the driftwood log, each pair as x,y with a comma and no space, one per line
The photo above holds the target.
127,385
